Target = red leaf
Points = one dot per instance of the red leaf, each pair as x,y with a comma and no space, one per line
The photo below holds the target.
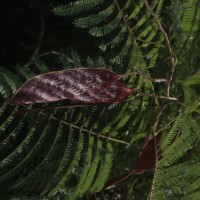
118,179
145,162
146,159
82,85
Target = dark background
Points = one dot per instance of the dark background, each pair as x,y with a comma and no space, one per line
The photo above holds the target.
29,28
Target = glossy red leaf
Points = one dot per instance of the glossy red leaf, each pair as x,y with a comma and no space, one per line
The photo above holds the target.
78,85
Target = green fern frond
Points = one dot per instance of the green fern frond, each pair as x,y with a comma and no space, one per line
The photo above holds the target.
65,61
106,29
25,72
185,17
42,67
93,169
49,156
76,7
62,165
5,90
104,171
180,180
175,179
180,139
136,11
72,168
190,94
173,132
190,15
116,41
92,20
76,59
182,144
6,165
83,176
8,83
8,77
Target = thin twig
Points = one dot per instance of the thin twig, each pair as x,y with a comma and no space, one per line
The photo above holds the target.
123,17
84,130
158,97
153,128
168,87
130,30
155,168
171,53
149,42
157,116
55,53
50,108
137,72
89,131
163,128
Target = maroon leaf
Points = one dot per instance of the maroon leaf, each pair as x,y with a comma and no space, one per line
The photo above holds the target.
118,179
79,85
145,162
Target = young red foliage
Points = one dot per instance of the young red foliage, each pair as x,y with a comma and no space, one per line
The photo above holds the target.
146,161
147,156
84,85
118,179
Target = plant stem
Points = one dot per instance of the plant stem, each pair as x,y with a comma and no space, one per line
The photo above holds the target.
171,53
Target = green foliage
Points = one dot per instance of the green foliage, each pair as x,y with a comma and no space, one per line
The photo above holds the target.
70,153
76,7
52,145
113,22
190,93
